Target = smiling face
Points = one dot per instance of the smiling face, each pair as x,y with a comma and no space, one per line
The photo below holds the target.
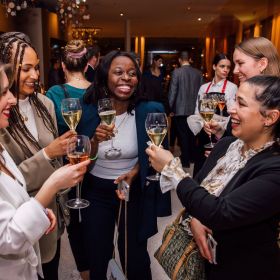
29,73
222,69
246,66
122,78
7,100
248,124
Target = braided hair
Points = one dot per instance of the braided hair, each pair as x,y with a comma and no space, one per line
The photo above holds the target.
12,50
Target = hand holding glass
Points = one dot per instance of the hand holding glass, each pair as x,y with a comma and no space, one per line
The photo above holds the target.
156,127
71,111
107,114
78,150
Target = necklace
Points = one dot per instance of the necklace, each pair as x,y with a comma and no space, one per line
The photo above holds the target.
122,121
24,113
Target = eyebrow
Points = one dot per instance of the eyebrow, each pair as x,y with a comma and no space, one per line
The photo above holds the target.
240,98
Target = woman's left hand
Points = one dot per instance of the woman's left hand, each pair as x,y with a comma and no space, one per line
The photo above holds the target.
128,177
52,219
158,157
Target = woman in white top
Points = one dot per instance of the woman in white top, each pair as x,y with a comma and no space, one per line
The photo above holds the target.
218,86
23,220
31,138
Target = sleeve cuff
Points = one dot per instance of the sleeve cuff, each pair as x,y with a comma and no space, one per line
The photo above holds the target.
45,155
171,175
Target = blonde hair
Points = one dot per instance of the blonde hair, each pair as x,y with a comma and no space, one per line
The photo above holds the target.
259,47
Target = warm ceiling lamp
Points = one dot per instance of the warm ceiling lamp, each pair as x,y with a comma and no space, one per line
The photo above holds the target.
14,6
87,34
73,12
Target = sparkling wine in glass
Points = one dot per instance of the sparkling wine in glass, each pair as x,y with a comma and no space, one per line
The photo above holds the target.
207,110
156,127
71,111
78,150
107,114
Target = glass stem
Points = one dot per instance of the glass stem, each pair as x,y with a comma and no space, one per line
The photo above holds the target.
221,112
112,143
78,193
210,139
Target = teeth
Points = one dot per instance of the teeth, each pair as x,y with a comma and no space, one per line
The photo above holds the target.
235,121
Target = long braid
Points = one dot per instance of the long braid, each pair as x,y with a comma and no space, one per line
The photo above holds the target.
17,128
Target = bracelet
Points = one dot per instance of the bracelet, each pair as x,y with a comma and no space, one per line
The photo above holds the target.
94,158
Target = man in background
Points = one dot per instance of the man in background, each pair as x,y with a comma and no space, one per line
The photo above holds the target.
183,90
93,55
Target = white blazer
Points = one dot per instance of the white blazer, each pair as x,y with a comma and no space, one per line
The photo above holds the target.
22,222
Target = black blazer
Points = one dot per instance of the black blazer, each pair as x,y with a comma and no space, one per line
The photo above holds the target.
244,218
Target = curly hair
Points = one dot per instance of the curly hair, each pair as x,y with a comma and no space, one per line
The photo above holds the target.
99,88
12,50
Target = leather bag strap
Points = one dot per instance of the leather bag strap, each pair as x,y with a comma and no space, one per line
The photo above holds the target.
182,260
125,233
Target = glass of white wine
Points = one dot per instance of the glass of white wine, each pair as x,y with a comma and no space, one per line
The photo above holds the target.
78,150
207,109
71,111
156,127
107,114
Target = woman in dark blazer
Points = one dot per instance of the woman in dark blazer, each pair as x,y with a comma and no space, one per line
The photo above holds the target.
117,77
236,194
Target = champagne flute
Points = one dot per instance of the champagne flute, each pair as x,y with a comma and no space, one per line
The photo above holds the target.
78,150
221,103
207,110
156,127
71,111
107,114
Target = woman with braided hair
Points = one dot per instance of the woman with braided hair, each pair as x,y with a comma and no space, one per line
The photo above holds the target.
31,138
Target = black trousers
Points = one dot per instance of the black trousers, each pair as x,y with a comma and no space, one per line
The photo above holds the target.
185,140
97,231
50,269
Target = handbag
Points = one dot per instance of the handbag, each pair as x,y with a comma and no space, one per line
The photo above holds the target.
114,271
178,254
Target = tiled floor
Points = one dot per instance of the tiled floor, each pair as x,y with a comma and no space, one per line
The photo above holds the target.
67,264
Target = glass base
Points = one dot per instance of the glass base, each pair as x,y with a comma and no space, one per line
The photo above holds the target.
113,153
209,146
77,203
155,177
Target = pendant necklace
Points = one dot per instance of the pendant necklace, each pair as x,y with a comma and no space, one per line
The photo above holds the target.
24,113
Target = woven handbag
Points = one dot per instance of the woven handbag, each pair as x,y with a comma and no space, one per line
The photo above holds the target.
178,254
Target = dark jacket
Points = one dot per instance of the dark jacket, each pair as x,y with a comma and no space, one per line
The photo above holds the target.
244,218
183,90
153,203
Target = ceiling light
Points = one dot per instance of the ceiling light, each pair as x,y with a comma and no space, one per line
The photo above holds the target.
199,19
121,14
189,8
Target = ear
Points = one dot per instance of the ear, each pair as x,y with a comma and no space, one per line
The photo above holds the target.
63,66
272,116
263,62
214,67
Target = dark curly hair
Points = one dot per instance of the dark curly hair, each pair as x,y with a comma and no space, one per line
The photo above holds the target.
268,94
99,88
12,50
